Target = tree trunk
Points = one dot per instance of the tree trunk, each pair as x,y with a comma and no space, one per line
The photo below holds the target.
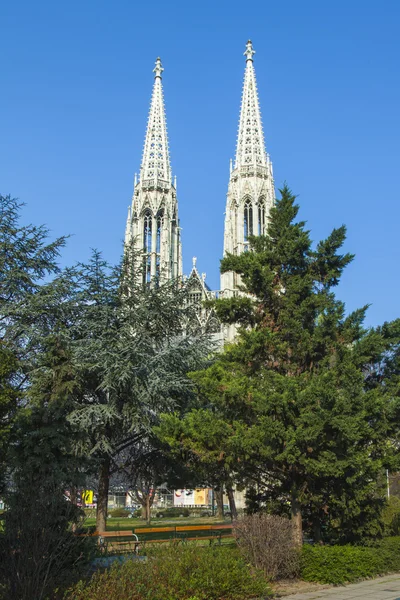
74,500
73,495
317,531
102,496
145,501
148,514
219,497
296,518
232,503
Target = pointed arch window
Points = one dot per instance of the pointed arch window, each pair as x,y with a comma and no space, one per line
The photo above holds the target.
247,221
147,233
160,225
261,217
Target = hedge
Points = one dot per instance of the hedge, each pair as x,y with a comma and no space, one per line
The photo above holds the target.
184,571
344,564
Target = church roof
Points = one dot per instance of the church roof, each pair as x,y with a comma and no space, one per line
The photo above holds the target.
199,280
250,149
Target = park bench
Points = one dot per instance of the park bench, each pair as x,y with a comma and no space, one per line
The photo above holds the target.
152,535
132,541
123,541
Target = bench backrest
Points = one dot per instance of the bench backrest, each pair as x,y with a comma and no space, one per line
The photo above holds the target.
153,529
114,533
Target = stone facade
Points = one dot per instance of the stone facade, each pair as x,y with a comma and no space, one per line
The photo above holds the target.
251,191
153,224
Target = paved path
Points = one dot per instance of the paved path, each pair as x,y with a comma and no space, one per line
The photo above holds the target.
384,588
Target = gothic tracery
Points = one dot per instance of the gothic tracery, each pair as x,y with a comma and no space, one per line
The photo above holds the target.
251,185
153,223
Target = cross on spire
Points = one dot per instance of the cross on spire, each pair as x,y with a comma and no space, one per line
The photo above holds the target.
249,52
158,69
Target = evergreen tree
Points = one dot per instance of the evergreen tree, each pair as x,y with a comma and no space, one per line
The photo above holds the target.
201,439
28,265
8,404
130,358
313,433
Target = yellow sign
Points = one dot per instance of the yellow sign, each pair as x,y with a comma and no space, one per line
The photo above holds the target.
87,496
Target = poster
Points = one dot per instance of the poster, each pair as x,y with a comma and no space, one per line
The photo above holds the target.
189,498
197,497
200,497
179,497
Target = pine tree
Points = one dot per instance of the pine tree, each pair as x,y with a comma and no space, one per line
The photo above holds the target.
312,432
201,439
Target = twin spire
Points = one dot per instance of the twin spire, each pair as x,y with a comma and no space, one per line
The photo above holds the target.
250,149
156,163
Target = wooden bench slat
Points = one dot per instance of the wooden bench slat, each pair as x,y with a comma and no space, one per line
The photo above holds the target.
107,534
194,528
153,529
116,534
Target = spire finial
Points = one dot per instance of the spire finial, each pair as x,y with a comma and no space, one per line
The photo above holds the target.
158,69
249,52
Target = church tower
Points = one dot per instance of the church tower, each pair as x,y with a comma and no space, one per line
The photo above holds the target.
251,185
153,225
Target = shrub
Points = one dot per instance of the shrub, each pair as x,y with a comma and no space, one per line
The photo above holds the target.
187,572
173,511
342,564
38,549
267,542
119,512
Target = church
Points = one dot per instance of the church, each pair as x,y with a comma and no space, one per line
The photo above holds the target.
153,223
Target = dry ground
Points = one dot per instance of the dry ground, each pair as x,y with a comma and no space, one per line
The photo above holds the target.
290,586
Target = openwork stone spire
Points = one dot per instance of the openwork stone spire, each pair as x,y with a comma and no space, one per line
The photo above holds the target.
153,223
250,148
251,184
156,163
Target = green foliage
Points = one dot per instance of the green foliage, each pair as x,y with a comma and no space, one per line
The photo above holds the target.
306,416
111,360
201,440
391,516
343,564
38,549
177,571
8,403
27,264
119,512
173,511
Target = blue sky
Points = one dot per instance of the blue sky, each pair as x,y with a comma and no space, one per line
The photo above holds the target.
76,82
